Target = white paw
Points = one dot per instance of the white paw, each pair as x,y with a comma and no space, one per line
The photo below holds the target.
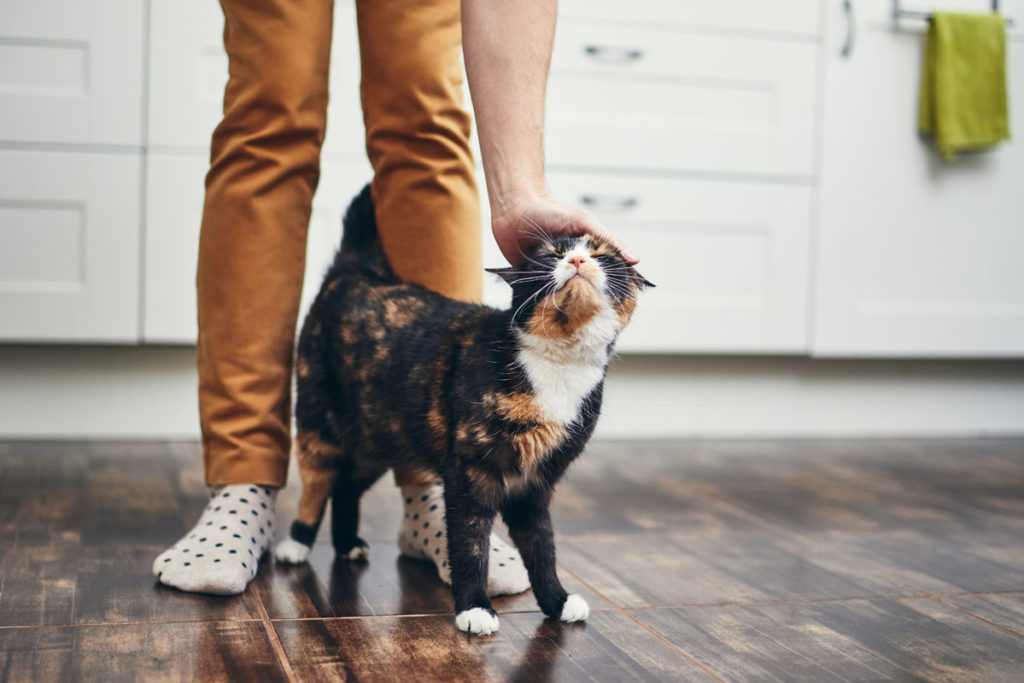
291,551
477,621
575,608
359,552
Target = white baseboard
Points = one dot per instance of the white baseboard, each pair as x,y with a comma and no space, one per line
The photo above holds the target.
149,392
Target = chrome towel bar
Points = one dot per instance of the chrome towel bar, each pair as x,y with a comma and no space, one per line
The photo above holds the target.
900,13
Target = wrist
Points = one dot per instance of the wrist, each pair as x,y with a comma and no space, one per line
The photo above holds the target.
506,201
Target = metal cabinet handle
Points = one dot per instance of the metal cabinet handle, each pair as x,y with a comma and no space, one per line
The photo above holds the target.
851,33
613,55
608,203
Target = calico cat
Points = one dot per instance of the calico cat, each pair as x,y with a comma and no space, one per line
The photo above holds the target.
498,403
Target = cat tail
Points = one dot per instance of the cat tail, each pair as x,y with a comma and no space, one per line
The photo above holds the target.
360,242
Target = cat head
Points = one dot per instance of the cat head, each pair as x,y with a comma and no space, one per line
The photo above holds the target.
566,283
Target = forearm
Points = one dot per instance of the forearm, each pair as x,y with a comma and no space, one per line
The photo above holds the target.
507,45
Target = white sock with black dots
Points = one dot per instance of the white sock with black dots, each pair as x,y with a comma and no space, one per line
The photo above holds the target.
423,536
221,553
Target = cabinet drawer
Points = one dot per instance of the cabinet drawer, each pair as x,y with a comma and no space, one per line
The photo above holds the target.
189,68
71,72
729,260
174,210
670,100
69,246
791,17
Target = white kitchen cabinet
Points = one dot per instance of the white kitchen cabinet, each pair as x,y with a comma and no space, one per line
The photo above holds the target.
915,256
189,68
173,214
69,246
675,100
174,209
71,72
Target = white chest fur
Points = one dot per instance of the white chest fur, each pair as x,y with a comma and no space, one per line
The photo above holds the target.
563,372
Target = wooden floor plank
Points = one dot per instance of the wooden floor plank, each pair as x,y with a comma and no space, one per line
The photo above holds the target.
609,647
199,651
855,640
666,569
80,584
1004,609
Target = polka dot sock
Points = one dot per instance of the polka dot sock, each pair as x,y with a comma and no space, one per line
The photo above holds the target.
423,536
221,553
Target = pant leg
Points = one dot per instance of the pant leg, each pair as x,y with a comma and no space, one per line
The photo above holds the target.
264,169
417,138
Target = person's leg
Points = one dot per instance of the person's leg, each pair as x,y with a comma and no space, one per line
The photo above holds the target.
264,169
427,207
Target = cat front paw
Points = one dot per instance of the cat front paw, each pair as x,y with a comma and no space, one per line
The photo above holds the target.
478,621
291,551
575,608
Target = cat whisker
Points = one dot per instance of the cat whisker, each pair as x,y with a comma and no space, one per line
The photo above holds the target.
529,298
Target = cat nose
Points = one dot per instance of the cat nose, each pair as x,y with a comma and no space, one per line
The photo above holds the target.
577,260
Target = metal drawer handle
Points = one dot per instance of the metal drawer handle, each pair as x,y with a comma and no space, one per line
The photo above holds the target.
608,203
613,55
851,31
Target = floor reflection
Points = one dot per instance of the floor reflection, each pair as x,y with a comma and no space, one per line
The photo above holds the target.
545,648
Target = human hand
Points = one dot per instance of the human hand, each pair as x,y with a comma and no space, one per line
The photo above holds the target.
519,224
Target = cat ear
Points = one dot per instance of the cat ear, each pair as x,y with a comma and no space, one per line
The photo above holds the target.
509,275
641,281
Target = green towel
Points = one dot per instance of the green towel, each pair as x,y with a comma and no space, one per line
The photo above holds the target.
963,83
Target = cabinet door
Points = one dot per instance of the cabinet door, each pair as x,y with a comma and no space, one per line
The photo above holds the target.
174,209
636,98
71,72
69,246
729,260
916,257
189,68
187,72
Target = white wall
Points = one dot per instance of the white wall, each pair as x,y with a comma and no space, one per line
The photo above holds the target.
149,392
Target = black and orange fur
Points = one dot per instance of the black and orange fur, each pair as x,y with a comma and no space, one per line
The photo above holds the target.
391,374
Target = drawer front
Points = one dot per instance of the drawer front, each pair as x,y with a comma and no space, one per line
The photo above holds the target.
790,17
71,72
189,68
729,260
174,209
69,246
669,100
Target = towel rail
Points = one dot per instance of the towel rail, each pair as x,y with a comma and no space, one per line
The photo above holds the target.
900,13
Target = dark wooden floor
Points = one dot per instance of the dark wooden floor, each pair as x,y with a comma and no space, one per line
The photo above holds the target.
754,560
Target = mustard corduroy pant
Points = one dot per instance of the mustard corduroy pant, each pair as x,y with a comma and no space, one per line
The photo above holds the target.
264,169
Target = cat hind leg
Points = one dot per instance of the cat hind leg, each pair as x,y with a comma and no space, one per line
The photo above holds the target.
317,462
348,489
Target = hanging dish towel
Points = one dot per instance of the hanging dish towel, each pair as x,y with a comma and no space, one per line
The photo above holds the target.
963,83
